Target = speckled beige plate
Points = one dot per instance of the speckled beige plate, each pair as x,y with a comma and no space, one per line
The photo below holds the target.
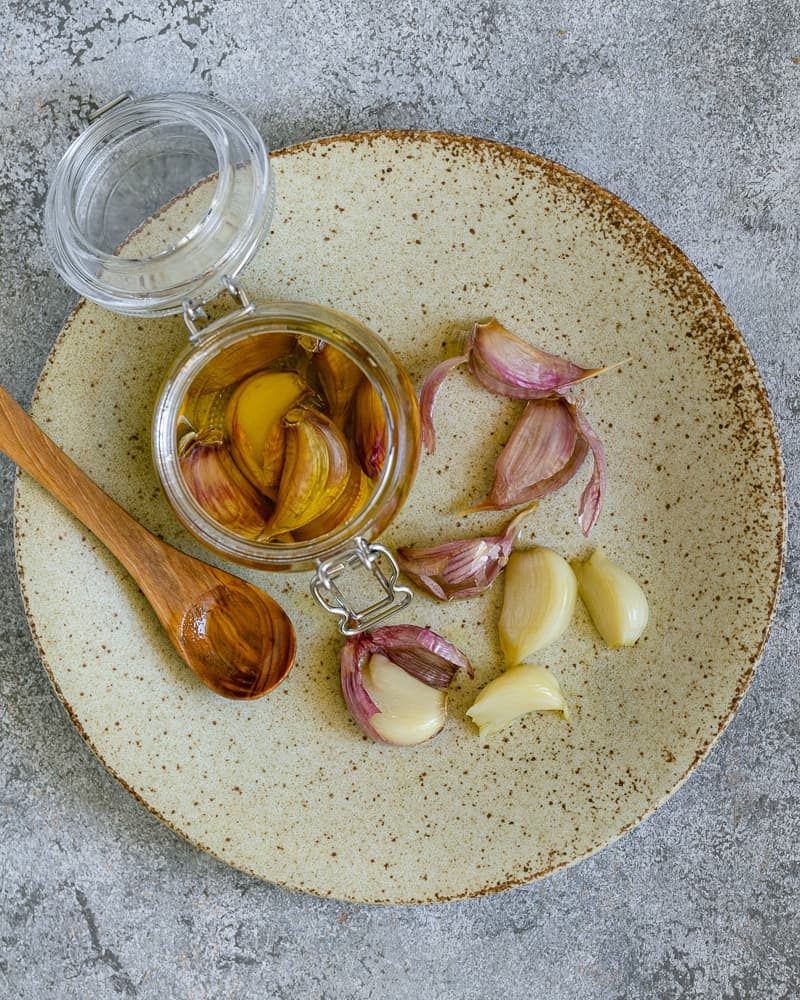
419,235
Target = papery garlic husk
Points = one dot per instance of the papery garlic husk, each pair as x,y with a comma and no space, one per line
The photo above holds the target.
339,378
253,424
616,603
505,365
214,480
369,428
352,500
427,398
539,597
316,470
384,704
459,569
594,492
522,689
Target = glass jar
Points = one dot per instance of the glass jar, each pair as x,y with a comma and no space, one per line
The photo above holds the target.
135,160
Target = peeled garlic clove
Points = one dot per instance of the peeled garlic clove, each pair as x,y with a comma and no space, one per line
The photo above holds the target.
514,693
409,711
538,602
462,568
369,428
391,708
214,480
339,378
616,603
254,410
316,470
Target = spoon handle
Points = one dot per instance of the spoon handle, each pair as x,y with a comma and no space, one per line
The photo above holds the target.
32,450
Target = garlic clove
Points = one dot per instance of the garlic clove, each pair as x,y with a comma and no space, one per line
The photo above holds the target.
616,603
206,411
369,429
339,378
254,410
409,711
538,602
371,689
241,360
315,473
543,453
508,366
522,689
352,500
214,480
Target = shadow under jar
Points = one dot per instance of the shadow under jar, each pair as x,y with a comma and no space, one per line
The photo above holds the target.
139,159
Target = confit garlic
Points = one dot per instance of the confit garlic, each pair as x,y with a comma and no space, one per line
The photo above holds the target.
522,689
410,711
616,603
538,602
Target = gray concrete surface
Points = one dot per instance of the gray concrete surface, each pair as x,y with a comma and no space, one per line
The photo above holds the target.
690,111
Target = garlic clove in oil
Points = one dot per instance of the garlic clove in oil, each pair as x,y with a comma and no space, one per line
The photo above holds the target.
616,603
352,500
369,428
538,602
240,360
214,480
254,410
339,378
409,711
316,470
522,689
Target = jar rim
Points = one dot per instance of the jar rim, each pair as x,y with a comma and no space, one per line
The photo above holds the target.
218,244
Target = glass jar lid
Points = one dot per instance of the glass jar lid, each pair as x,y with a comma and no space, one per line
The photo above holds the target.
134,162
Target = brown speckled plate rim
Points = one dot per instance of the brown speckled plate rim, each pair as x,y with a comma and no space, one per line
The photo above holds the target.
634,221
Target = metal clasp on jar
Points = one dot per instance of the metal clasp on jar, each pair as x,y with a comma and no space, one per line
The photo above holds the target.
380,562
194,311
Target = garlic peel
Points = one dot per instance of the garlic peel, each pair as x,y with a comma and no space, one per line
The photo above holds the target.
616,603
427,398
538,602
592,496
464,568
522,689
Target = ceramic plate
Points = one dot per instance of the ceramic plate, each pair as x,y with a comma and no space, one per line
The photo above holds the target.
419,235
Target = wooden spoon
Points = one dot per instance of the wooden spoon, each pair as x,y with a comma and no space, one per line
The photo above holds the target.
235,637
